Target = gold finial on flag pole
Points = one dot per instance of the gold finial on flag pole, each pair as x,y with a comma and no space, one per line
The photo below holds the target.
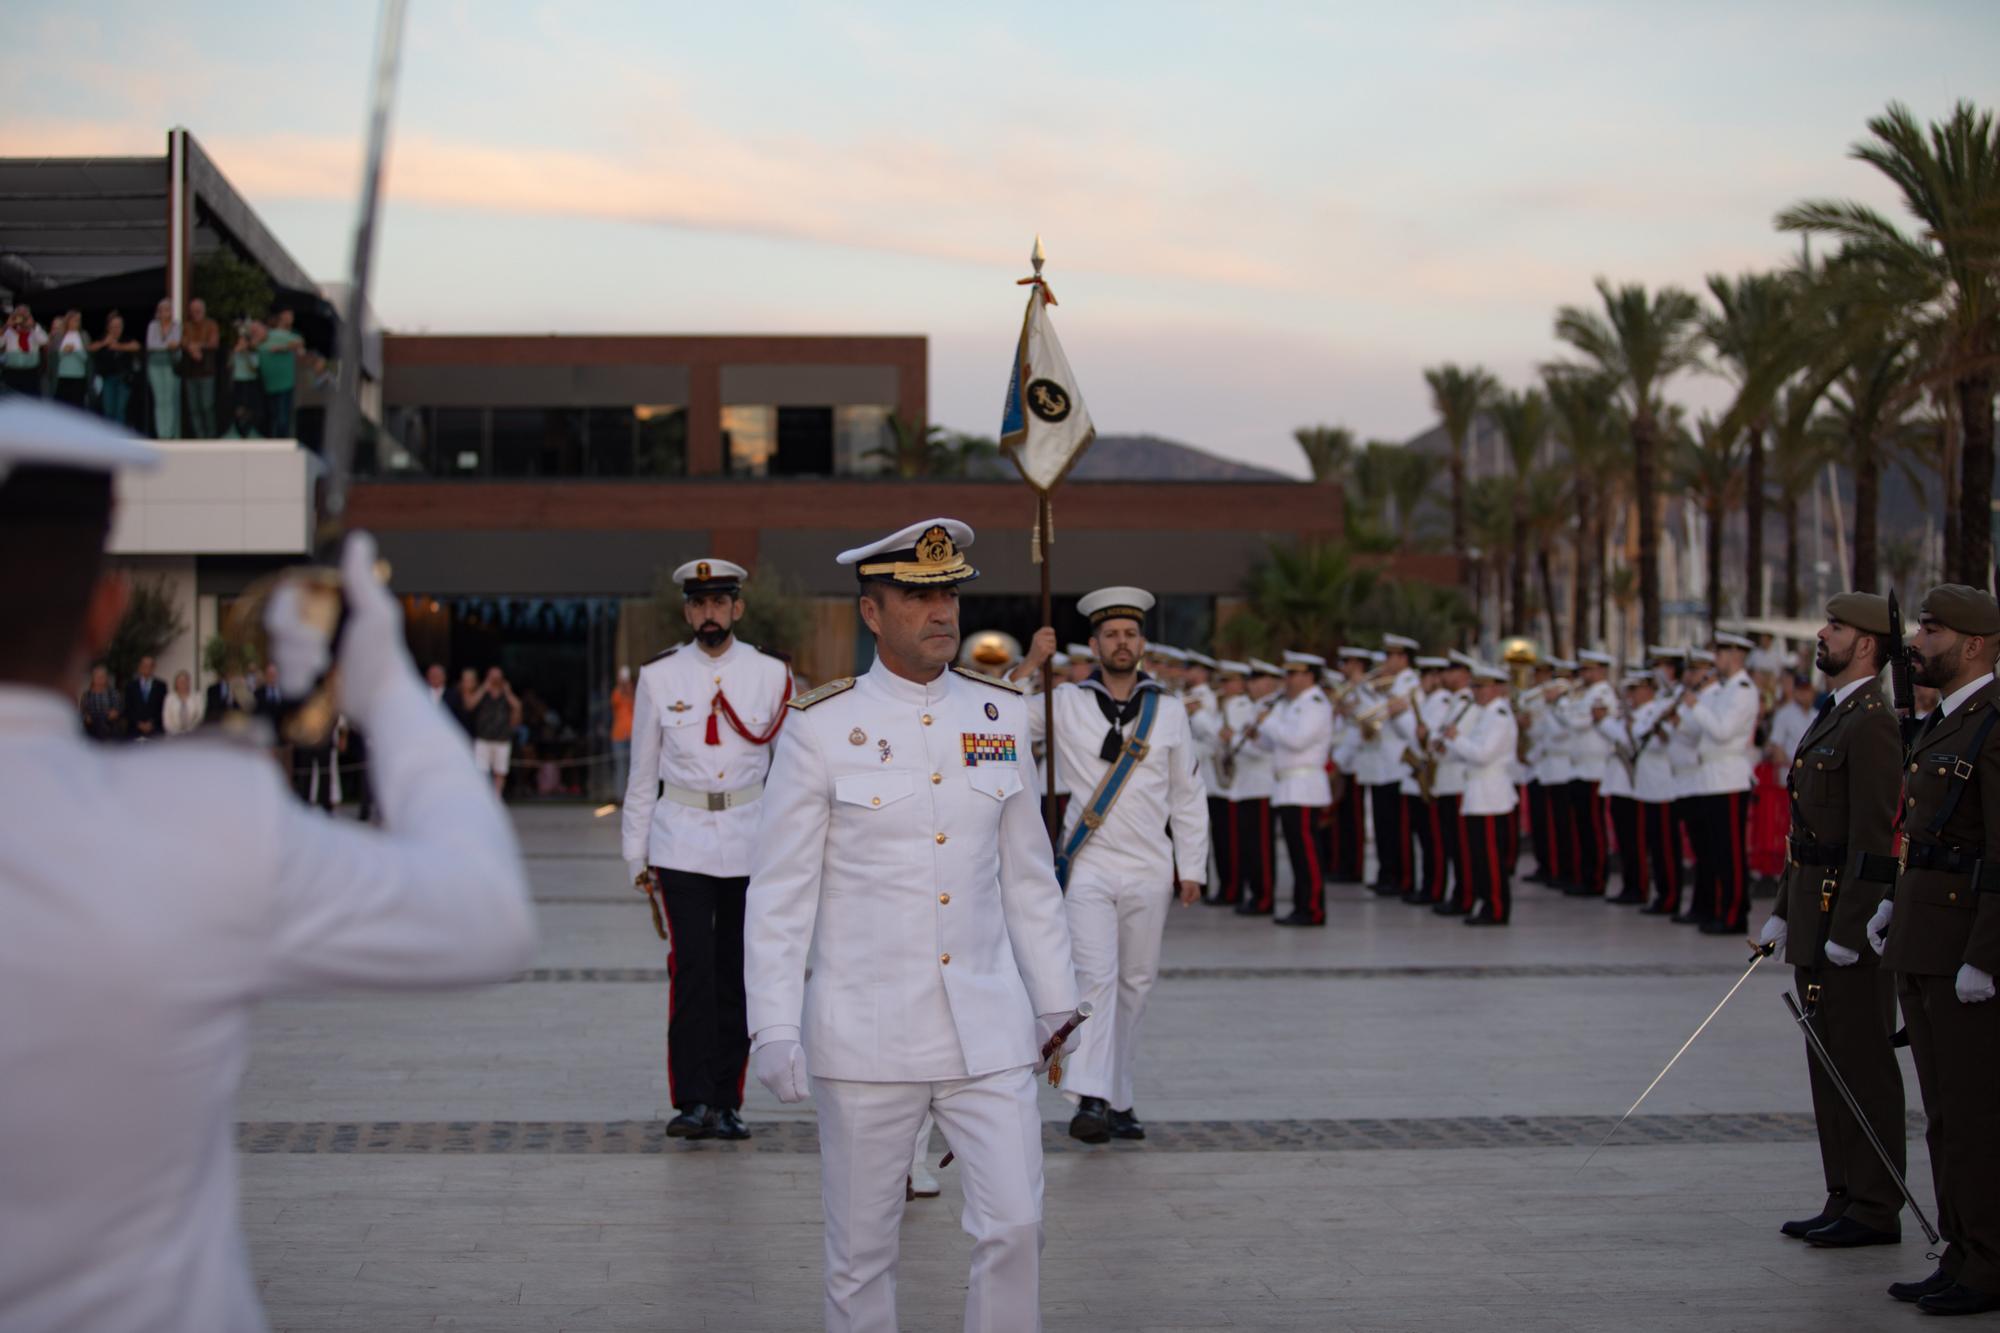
1039,257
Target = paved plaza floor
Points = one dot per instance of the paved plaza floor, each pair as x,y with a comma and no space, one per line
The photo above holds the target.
1375,1126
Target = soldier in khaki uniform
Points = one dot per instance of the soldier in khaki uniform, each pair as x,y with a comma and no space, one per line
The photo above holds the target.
1843,780
1941,936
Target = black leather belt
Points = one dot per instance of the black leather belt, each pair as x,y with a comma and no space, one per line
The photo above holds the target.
1937,856
1807,853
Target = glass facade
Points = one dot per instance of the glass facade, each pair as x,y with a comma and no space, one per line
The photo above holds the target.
434,443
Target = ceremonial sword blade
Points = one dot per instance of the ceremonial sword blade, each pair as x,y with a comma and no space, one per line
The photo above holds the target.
1825,1058
1761,952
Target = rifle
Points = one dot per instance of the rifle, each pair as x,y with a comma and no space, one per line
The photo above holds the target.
1903,691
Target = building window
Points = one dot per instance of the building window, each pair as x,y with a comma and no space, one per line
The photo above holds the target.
749,440
805,442
457,442
662,440
864,442
538,441
649,440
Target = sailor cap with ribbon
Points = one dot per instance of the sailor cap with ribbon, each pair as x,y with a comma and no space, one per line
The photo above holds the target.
930,554
1115,604
710,575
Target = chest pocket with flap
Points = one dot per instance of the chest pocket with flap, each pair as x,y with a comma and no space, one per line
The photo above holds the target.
998,781
872,791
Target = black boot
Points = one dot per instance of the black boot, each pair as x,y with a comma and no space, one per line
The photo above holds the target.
1125,1125
695,1121
1092,1121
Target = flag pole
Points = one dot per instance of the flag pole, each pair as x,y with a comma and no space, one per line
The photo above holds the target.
1050,816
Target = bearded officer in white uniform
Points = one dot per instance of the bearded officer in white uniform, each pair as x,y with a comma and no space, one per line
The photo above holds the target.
906,940
703,722
1117,890
129,964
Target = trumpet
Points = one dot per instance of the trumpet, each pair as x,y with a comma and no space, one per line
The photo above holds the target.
1338,694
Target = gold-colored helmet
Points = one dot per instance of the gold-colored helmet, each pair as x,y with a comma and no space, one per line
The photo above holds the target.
990,650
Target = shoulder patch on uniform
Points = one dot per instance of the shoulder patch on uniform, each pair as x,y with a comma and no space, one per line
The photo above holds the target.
662,656
994,681
822,694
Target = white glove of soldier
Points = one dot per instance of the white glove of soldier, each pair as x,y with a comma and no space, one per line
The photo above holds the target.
1878,926
374,662
1045,1028
1974,985
779,1063
1840,955
1773,933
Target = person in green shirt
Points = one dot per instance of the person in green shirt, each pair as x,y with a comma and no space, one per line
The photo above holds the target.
246,407
278,367
72,359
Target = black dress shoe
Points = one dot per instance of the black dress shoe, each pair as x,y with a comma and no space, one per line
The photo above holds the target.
1218,902
694,1122
1690,921
1449,909
1296,919
1844,1233
1830,1211
1539,877
1091,1123
1627,899
1483,919
1251,909
1385,890
1656,909
1939,1280
1125,1125
1723,928
1958,1299
729,1125
1416,898
1581,891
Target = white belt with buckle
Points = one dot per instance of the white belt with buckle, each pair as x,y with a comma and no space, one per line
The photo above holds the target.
711,800
1300,772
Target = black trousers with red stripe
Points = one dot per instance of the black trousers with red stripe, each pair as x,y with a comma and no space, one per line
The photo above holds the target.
1428,874
1490,853
1586,821
1451,880
1256,853
708,1037
1721,857
1302,846
1561,834
1663,853
1538,830
1392,835
1228,861
1347,835
1630,836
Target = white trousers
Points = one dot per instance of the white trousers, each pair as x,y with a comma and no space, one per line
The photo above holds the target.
1116,918
865,1133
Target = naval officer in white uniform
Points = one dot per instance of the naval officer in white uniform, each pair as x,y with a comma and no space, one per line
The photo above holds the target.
703,722
906,940
1117,891
129,964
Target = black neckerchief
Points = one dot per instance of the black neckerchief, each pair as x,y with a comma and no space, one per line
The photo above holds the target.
1116,713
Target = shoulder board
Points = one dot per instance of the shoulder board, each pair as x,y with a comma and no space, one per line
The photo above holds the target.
786,658
994,681
660,657
822,694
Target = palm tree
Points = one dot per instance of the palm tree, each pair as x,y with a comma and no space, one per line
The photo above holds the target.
1305,596
1869,409
1799,449
1489,523
1641,342
1588,427
1459,395
1708,467
1547,498
1523,419
1387,484
914,449
1328,451
1950,183
1759,341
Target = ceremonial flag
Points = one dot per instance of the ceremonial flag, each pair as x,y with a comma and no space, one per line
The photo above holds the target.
1045,427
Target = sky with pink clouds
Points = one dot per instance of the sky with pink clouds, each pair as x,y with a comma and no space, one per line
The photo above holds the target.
1258,216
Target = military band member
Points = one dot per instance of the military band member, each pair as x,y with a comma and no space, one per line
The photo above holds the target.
1620,789
1082,661
1843,775
1723,716
1347,829
1252,788
1582,712
1428,876
901,850
1298,736
1204,712
1940,935
1658,778
1207,719
1484,740
133,953
1555,769
703,721
1528,716
1395,869
1448,785
1134,826
1684,752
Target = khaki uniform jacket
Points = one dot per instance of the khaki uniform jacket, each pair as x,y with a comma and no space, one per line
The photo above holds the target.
1843,780
1940,920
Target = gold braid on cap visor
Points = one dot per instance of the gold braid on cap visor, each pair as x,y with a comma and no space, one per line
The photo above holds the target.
937,560
1104,613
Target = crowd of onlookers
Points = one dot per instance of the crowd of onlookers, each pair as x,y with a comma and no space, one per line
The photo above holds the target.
173,380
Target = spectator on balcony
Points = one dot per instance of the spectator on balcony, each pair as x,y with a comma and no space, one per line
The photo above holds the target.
201,353
278,367
163,344
246,394
184,710
21,359
103,713
115,358
71,362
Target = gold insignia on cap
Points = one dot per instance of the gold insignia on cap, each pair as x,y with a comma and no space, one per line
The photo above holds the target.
701,570
938,560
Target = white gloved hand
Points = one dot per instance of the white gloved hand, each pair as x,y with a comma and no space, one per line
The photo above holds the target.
1045,1028
1974,986
374,660
1774,932
301,651
780,1065
1840,955
1878,926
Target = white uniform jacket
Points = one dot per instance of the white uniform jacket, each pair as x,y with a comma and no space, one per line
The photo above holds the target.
1164,787
1485,742
1205,719
1725,720
1589,749
1553,767
1450,706
903,909
130,964
1298,736
1653,775
1255,778
1415,725
676,695
1618,779
1385,752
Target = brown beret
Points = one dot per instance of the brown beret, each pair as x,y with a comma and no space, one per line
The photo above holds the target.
1965,609
1863,610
